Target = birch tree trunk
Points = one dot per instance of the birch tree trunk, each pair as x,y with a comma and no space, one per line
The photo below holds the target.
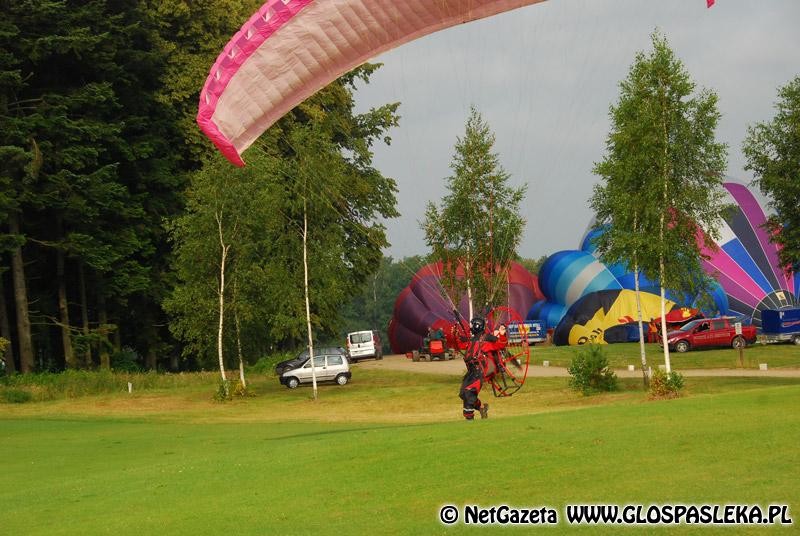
662,273
468,277
664,330
661,267
238,333
239,348
374,300
308,305
221,293
469,299
645,377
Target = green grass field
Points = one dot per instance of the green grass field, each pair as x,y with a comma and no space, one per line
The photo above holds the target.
382,454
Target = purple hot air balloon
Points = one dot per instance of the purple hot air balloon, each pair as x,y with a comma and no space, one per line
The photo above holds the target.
746,264
424,304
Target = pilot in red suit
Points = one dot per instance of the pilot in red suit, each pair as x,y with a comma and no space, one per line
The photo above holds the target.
481,357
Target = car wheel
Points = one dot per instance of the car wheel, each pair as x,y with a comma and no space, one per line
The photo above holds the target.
796,340
341,379
682,347
738,342
292,383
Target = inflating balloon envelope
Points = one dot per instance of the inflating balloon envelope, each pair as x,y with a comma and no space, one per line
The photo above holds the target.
424,304
749,280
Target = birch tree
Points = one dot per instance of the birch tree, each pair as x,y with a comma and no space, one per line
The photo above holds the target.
215,242
662,172
477,227
314,166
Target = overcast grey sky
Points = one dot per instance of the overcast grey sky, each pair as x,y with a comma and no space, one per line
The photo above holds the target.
543,77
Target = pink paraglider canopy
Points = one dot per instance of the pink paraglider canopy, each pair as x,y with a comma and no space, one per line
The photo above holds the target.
290,49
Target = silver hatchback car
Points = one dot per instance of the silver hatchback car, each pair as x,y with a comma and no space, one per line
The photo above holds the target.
328,367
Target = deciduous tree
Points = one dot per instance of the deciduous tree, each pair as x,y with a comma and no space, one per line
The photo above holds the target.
478,225
316,163
662,173
772,150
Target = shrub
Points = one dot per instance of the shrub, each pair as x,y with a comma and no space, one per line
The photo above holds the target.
589,371
663,385
16,396
230,389
126,360
266,364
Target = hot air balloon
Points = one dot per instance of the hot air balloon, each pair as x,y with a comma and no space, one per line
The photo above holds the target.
746,264
424,304
565,277
290,49
746,267
604,316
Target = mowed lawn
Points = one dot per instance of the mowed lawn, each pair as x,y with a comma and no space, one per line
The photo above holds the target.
381,455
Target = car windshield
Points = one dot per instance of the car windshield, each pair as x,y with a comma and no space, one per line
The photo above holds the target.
357,338
691,325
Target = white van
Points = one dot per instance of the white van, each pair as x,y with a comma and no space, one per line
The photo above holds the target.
331,367
364,344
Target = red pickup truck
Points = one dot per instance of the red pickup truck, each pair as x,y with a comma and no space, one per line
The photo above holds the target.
707,332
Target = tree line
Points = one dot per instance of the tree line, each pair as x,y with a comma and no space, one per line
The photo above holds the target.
109,192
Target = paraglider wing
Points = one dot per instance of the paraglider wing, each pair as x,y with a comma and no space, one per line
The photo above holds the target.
289,49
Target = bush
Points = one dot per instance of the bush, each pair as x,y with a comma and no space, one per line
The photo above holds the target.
266,364
126,360
589,371
230,389
663,385
16,396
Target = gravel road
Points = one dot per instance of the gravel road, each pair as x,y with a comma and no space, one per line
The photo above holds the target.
456,367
